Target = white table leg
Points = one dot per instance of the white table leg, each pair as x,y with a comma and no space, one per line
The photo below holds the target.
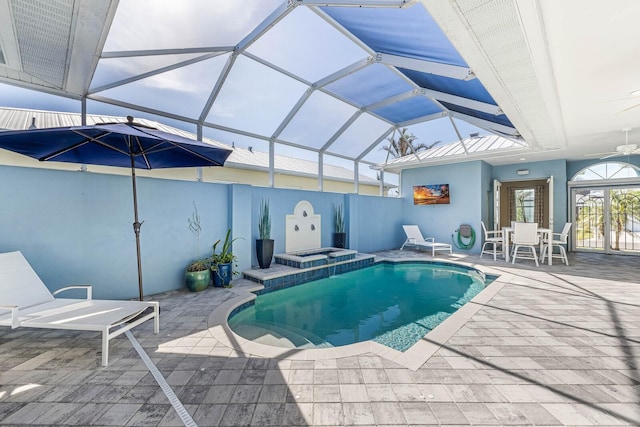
505,244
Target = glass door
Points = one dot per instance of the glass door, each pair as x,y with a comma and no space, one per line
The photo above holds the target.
624,219
607,219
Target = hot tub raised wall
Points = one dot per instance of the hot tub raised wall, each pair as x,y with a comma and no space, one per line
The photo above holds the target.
288,276
315,257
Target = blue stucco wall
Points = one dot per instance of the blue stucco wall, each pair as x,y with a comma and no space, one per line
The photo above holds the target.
375,223
76,227
371,222
466,190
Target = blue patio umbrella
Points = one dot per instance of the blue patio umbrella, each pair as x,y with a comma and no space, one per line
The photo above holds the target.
115,144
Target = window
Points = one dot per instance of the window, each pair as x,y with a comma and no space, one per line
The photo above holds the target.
607,170
524,204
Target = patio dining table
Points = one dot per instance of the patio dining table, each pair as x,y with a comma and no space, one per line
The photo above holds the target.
543,232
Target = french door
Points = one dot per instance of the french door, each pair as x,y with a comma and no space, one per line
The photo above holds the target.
607,219
523,201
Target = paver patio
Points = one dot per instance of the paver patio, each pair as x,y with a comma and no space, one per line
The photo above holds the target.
554,346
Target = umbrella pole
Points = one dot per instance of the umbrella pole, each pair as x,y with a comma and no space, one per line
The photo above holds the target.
136,224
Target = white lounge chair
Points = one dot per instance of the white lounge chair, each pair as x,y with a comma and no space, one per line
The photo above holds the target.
415,238
26,302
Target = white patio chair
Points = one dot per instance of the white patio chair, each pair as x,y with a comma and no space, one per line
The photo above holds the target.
525,236
560,242
26,302
415,238
494,238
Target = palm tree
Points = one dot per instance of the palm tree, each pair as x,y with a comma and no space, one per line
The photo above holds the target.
404,144
624,207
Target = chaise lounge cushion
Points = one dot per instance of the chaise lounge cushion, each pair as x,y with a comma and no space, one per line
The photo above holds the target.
77,314
25,301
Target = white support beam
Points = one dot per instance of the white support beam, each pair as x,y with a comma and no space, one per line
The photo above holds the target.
294,110
381,182
484,124
436,97
314,86
335,24
423,119
272,163
131,106
218,86
356,177
276,68
392,100
375,143
460,138
320,171
395,4
159,52
276,140
199,170
236,131
274,17
461,101
446,70
346,71
83,111
155,72
342,129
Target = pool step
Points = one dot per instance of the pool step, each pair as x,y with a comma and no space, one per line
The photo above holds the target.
278,336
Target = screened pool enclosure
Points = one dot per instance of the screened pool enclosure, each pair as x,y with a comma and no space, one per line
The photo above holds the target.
330,81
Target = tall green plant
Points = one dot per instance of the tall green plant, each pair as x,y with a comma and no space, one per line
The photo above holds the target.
264,221
338,219
225,255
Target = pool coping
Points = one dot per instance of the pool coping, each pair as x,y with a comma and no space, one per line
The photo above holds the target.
412,358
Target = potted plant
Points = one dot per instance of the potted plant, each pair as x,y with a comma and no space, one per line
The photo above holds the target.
197,274
264,245
223,263
339,233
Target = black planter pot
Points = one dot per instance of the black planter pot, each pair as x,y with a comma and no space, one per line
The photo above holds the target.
264,252
222,274
339,240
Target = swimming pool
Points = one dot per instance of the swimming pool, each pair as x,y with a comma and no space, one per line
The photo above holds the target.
394,304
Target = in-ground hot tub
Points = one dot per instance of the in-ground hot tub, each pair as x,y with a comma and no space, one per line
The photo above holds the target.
314,257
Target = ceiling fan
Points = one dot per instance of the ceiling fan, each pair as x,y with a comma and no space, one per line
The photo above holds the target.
621,150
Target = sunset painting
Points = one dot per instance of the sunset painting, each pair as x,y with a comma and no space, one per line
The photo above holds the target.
437,194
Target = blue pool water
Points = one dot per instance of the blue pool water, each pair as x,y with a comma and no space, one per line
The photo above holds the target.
393,304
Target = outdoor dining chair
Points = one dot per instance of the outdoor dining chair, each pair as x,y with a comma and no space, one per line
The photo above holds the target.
525,236
493,238
560,243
